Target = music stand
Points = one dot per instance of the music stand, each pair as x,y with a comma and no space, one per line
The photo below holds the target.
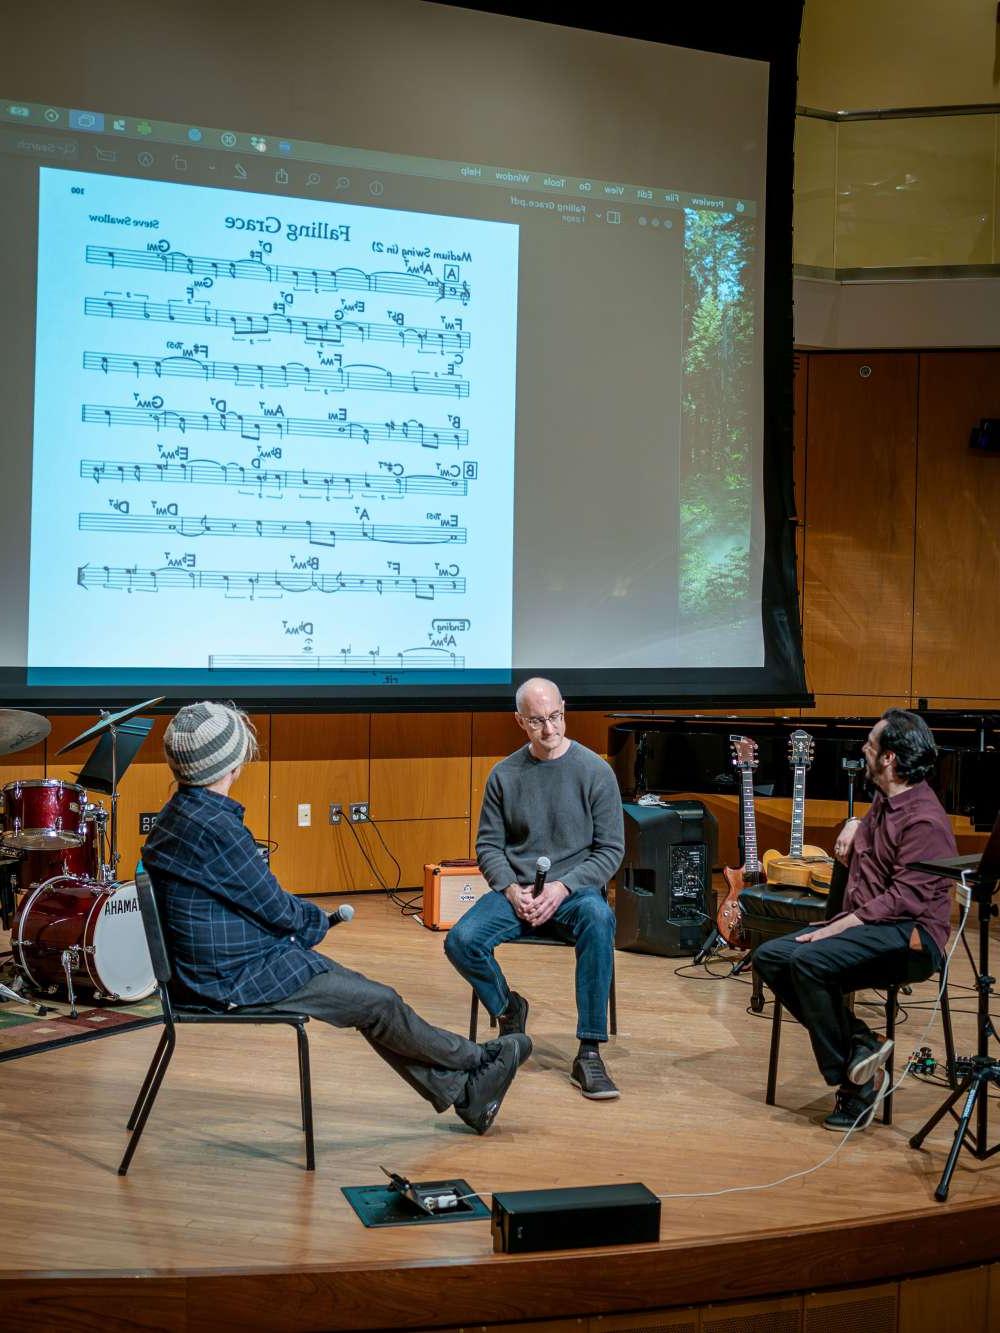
108,764
981,875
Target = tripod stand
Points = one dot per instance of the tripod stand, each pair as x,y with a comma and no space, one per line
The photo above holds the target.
976,1071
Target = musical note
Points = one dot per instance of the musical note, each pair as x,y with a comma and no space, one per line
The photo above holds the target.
250,323
316,534
281,377
252,427
301,279
261,583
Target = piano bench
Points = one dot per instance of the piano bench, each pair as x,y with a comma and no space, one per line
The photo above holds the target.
771,910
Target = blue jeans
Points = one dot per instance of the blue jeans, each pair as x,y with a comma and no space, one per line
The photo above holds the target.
584,919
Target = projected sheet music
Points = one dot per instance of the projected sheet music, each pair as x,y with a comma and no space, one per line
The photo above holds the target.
271,435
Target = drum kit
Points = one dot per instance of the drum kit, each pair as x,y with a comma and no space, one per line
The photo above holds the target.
72,923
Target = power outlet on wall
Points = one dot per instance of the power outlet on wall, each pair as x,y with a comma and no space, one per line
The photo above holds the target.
336,813
359,812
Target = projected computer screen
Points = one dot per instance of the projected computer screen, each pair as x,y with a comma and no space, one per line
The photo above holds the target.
335,416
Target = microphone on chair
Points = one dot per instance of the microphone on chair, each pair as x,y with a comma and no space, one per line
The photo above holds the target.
344,912
542,867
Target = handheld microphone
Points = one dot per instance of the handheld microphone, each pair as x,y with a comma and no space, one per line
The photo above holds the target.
542,867
343,913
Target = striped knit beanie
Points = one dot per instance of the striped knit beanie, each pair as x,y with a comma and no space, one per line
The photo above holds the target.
204,742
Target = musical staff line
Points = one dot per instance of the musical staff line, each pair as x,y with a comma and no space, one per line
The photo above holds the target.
272,481
246,323
253,427
302,279
294,374
251,584
316,534
409,657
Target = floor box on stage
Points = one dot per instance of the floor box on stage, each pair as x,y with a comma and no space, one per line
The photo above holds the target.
570,1219
450,888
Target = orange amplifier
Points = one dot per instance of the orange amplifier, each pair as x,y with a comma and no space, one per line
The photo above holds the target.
450,888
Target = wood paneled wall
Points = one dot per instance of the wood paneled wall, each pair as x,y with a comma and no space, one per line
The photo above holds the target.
899,579
900,538
422,775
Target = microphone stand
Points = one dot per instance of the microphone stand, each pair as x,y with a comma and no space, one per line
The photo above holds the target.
979,1070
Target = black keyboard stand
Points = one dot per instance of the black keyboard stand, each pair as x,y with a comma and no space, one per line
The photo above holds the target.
978,1071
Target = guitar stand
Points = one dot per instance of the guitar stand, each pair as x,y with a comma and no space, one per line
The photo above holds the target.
976,1071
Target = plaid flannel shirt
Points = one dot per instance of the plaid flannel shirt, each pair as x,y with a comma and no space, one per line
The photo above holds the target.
235,935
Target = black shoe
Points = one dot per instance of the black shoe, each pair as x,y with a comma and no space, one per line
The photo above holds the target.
515,1017
486,1086
856,1107
591,1077
869,1056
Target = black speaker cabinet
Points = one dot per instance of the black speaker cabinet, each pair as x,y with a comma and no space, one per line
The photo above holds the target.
663,897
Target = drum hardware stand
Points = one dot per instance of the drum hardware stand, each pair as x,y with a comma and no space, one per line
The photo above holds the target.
120,738
68,957
8,993
977,1071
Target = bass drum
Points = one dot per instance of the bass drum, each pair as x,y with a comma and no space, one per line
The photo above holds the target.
98,927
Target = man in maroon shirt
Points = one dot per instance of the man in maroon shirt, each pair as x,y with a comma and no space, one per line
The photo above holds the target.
894,926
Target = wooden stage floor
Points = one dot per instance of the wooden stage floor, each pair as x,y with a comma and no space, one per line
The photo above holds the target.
228,1230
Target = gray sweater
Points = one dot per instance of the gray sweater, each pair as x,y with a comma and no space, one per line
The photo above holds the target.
567,809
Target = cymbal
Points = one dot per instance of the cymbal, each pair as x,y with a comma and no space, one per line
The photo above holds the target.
19,730
111,720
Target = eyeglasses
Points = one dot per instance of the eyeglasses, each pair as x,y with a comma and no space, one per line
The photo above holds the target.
537,723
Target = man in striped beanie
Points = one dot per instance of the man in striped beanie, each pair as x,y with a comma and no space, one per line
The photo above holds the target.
237,938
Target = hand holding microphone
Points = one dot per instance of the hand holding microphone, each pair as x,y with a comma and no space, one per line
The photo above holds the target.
345,912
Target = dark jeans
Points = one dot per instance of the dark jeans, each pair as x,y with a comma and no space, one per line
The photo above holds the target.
432,1060
811,981
584,919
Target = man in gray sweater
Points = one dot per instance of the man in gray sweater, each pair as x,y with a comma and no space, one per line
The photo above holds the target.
553,798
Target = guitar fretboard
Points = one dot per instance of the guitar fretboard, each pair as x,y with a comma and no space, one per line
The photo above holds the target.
798,809
751,860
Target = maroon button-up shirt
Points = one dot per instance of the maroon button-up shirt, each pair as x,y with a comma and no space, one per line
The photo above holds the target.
910,826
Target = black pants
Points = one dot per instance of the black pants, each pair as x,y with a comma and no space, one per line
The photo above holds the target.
811,981
432,1060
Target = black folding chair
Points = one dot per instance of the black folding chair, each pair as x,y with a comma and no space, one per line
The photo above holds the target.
176,1013
891,1006
565,944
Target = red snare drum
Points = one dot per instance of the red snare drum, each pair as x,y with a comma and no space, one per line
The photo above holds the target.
43,814
99,925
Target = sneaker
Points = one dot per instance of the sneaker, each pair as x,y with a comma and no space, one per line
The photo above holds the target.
867,1059
487,1086
515,1017
591,1077
856,1106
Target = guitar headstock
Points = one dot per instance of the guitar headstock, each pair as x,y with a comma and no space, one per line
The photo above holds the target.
801,749
744,751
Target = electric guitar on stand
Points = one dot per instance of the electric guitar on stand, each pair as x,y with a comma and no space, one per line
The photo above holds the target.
804,866
729,919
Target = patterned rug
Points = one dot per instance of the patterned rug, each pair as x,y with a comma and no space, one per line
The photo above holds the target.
23,1031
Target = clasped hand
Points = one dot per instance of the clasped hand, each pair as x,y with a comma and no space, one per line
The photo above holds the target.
536,911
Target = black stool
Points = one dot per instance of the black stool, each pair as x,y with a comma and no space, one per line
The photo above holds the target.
891,1007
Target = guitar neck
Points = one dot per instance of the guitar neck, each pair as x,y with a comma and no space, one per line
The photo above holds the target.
751,859
798,810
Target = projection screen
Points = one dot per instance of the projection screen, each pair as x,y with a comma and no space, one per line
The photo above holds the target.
384,353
